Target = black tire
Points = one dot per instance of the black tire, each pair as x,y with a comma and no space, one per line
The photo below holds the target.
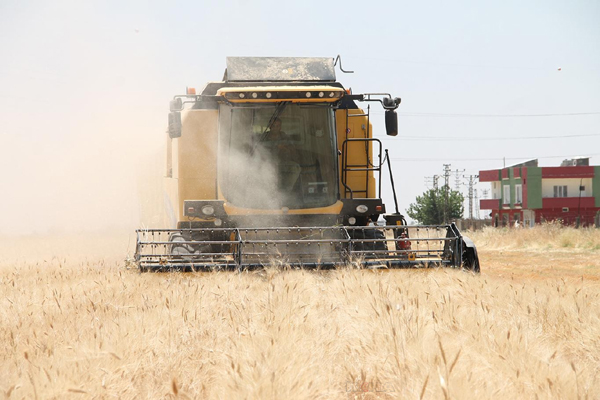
358,234
183,250
470,260
190,249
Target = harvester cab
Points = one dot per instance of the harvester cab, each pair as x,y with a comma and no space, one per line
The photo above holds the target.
276,163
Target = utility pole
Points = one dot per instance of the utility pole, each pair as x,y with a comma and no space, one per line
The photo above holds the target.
427,182
433,180
446,190
457,182
471,184
477,211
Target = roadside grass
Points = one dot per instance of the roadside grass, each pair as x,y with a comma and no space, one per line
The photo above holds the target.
546,236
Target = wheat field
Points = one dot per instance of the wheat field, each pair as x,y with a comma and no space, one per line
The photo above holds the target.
76,322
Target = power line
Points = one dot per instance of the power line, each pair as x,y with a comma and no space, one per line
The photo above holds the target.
418,114
472,138
487,158
432,179
443,64
470,115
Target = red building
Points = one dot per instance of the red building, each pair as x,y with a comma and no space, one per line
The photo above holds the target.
530,194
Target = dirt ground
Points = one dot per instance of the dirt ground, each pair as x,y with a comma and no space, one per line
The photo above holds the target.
75,322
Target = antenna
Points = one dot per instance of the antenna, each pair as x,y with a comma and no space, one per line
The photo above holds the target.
339,58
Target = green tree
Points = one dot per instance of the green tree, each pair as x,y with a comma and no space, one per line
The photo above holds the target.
435,205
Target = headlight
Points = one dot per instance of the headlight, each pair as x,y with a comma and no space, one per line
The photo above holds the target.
218,222
208,210
362,208
352,220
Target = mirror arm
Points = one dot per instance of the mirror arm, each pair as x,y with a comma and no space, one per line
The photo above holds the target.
178,102
387,102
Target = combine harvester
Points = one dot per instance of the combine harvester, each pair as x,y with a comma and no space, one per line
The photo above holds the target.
277,164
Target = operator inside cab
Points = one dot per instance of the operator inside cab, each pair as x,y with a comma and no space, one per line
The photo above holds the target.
285,156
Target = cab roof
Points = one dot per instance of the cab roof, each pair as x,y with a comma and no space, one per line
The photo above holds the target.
280,69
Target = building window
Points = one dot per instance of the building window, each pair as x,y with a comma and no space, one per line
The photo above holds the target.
518,194
560,191
506,199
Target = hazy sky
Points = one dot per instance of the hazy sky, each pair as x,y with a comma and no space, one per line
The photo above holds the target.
84,88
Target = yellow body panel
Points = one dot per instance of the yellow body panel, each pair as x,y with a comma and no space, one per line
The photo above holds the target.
197,157
171,199
335,208
356,128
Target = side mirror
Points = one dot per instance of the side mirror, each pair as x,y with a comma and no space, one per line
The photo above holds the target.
391,122
174,125
391,104
176,104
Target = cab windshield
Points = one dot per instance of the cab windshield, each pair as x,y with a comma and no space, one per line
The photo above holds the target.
277,156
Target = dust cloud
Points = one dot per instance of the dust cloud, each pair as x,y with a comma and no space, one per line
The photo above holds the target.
66,177
254,178
83,114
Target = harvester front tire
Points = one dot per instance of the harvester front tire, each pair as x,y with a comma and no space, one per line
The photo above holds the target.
182,250
369,234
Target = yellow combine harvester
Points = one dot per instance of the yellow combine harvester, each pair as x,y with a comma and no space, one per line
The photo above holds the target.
278,164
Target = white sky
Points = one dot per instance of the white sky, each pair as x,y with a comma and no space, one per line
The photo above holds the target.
84,88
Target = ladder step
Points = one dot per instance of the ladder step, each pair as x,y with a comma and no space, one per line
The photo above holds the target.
361,169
